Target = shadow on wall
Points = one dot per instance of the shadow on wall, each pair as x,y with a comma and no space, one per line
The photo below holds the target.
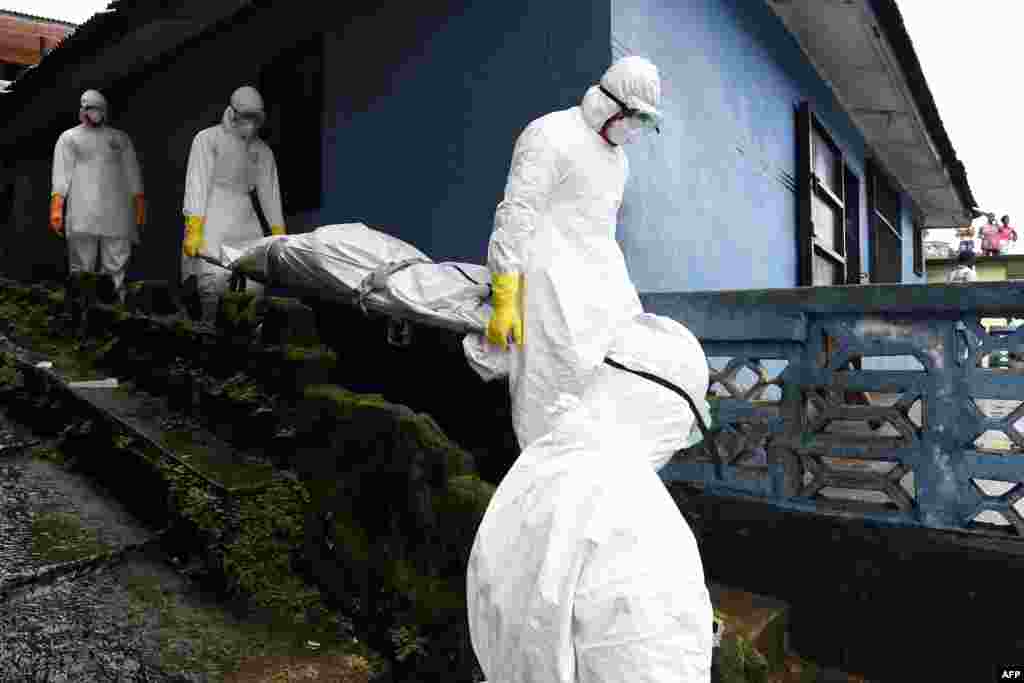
31,251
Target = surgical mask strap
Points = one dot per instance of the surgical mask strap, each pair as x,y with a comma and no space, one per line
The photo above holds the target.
239,115
628,111
680,392
622,105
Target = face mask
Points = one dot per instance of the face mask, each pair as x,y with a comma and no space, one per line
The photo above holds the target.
246,123
94,116
625,131
636,122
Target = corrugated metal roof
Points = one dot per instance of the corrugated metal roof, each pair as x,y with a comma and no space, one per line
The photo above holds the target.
896,32
33,17
88,36
111,46
102,30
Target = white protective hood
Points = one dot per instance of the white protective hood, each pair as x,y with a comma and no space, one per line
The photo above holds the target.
583,569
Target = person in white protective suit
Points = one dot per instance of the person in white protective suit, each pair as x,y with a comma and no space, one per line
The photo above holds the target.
96,200
559,279
583,570
226,164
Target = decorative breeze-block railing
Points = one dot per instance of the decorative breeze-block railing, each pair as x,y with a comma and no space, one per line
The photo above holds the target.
866,401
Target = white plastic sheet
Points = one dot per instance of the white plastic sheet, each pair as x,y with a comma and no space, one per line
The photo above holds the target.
354,263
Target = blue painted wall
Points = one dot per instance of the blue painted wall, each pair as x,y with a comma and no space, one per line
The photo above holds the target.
422,120
711,202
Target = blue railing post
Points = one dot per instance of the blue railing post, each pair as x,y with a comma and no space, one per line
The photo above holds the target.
938,472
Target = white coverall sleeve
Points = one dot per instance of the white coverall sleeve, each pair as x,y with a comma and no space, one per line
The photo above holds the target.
533,176
132,170
63,165
268,188
199,175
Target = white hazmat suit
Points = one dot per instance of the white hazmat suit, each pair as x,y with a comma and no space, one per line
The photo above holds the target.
556,227
96,198
225,163
583,570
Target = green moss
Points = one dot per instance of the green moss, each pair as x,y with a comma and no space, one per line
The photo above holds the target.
423,579
205,511
216,464
296,354
204,639
408,642
270,527
468,495
48,454
146,588
430,595
33,326
237,311
344,403
260,531
242,389
429,436
58,537
183,327
350,538
740,662
10,376
809,673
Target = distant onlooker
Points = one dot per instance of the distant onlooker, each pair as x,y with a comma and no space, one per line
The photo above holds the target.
990,237
964,271
1006,233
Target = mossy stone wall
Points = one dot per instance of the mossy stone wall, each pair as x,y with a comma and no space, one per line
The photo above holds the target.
382,508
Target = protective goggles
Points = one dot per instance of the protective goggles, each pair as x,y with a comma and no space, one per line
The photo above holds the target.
256,118
679,392
646,119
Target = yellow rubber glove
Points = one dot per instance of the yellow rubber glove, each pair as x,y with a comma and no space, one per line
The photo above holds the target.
57,214
277,230
508,315
140,209
194,241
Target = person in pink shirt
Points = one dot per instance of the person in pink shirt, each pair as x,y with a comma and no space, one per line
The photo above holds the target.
989,234
1006,233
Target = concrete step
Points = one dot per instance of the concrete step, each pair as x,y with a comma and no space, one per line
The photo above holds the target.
754,645
142,418
749,621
